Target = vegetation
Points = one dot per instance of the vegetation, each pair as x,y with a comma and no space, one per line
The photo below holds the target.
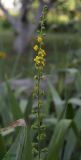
47,123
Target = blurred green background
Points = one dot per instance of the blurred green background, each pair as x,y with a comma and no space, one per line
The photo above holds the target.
63,41
19,23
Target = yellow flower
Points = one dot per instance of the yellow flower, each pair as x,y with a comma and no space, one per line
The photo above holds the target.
39,61
2,55
41,53
43,63
39,39
35,48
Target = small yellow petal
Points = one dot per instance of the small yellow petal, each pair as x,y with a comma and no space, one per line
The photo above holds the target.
39,39
35,48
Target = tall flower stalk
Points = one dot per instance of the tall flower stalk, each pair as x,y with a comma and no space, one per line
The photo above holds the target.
40,62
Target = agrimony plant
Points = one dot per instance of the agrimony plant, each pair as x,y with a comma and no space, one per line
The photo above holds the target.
40,62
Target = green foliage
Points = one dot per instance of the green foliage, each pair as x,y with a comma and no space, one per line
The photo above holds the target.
15,151
61,107
56,99
14,106
27,150
58,139
4,23
62,125
2,147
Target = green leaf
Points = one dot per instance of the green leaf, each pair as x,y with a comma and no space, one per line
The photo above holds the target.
71,140
75,101
27,151
72,137
78,81
5,111
69,112
70,146
2,147
14,106
72,71
14,69
58,139
77,133
56,98
50,121
80,157
22,147
28,108
15,152
47,103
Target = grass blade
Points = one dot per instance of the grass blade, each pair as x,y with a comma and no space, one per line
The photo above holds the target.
56,98
15,152
2,147
14,106
58,139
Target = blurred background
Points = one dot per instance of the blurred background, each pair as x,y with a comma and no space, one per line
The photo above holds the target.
19,21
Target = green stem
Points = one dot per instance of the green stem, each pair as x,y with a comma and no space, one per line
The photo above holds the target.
39,150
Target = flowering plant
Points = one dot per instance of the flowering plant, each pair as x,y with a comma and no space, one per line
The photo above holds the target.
40,61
